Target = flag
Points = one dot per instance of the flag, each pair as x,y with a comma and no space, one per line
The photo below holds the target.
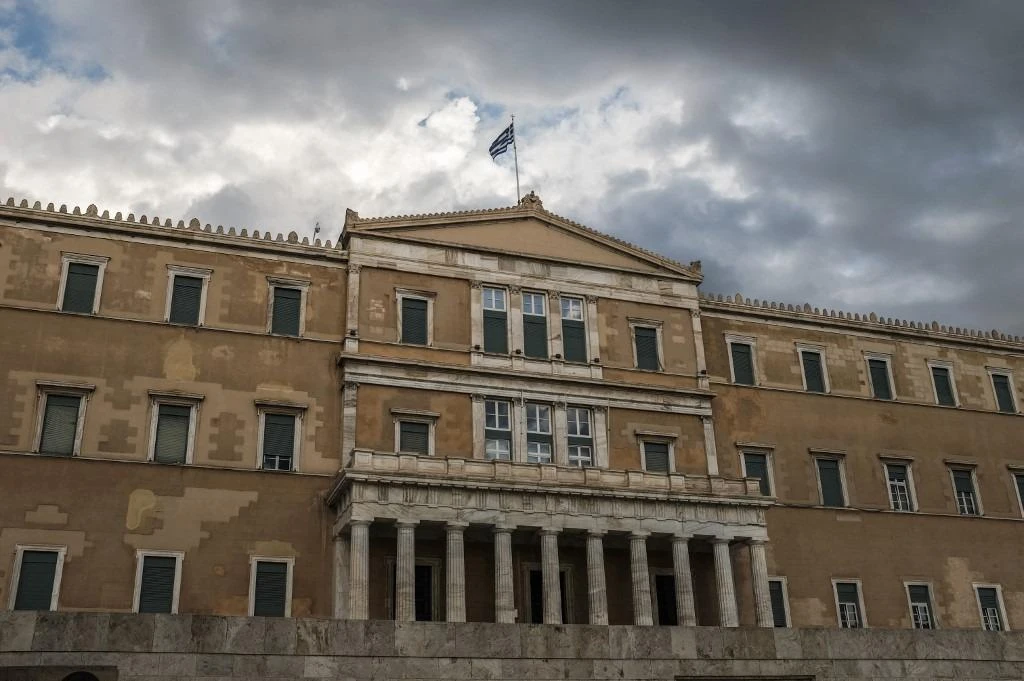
501,144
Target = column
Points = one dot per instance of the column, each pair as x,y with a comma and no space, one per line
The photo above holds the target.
560,455
359,570
710,448
555,324
596,589
349,414
727,613
550,569
762,596
352,309
405,572
642,611
479,425
504,605
455,564
698,344
686,614
341,570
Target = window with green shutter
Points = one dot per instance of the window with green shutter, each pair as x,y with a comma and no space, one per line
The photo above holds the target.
831,481
777,592
943,386
878,370
173,427
656,457
80,288
756,466
1004,393
742,363
270,589
495,320
535,326
814,373
645,340
156,584
36,580
920,606
414,321
848,598
963,490
278,441
991,611
186,299
574,330
60,424
414,437
286,313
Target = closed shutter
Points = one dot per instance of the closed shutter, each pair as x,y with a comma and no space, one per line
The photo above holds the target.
1020,487
831,483
156,590
574,340
778,599
846,592
963,482
991,613
35,580
535,336
757,467
813,374
278,441
495,331
287,311
646,341
172,428
271,589
414,437
943,387
742,363
185,299
919,594
414,321
60,423
80,288
880,379
656,457
1004,396
988,598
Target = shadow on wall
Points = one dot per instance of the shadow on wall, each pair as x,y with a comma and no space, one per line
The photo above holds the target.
58,674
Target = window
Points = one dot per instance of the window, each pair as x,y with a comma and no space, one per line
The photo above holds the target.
645,347
37,572
60,429
990,603
1018,479
415,317
538,433
172,430
755,465
413,437
780,601
286,316
919,596
1002,386
574,330
942,382
81,282
741,360
157,581
901,493
270,587
186,295
498,429
535,326
964,491
813,364
880,375
657,456
849,605
830,481
495,320
581,438
280,440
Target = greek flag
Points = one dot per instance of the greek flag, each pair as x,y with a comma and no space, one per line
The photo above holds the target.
501,144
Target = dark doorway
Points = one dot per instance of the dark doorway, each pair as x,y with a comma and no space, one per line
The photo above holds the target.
537,596
424,593
665,593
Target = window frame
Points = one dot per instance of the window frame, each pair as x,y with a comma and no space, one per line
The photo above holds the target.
280,282
505,310
975,488
19,551
298,411
1017,472
658,326
531,293
196,273
840,458
253,563
932,611
730,340
769,465
46,388
510,429
948,366
643,438
592,440
542,437
156,399
81,259
416,416
784,581
819,350
999,601
882,357
562,298
862,613
1008,374
911,484
427,296
140,555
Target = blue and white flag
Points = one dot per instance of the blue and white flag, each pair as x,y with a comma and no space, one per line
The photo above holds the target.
501,144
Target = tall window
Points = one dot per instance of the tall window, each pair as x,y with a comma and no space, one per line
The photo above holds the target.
538,433
741,359
498,429
495,320
581,437
186,295
1003,388
270,587
157,582
964,491
848,600
59,431
1018,479
657,456
878,373
172,433
38,577
535,325
780,609
942,380
279,437
920,606
813,365
81,283
830,481
755,465
413,437
990,603
645,344
574,330
901,496
286,313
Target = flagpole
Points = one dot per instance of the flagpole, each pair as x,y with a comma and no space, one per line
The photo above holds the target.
515,154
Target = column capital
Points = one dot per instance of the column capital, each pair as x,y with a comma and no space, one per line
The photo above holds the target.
351,384
456,526
406,523
591,298
354,269
721,540
695,314
514,289
757,541
360,523
553,296
550,530
477,397
639,534
596,533
681,538
503,529
475,284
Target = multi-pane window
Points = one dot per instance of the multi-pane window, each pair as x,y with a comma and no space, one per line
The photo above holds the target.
1018,479
286,311
991,608
535,325
574,330
581,437
943,381
186,300
1004,393
495,320
498,429
777,593
814,370
741,356
657,456
878,372
830,481
157,583
81,281
848,601
414,437
60,424
900,496
538,433
279,441
38,579
271,586
645,342
172,434
920,606
755,465
963,490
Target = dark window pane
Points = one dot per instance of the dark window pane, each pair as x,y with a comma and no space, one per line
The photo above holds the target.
813,374
535,336
172,433
742,363
899,487
943,387
646,340
656,457
414,321
60,422
156,590
287,311
991,613
80,288
831,483
424,593
35,581
278,441
414,437
1020,485
665,592
918,593
185,299
757,467
536,596
1004,395
963,481
271,589
574,340
880,379
495,332
778,599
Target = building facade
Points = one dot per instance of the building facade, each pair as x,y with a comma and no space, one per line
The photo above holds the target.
486,416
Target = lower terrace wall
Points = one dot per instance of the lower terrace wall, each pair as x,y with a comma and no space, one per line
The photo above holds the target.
122,647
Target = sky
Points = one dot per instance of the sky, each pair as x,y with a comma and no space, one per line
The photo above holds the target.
866,156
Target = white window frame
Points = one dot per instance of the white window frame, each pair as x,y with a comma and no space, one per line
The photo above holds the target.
140,556
880,356
45,388
483,298
931,602
948,366
290,561
643,438
177,400
999,599
769,463
1014,472
196,272
550,432
860,601
593,437
730,339
82,259
429,297
544,304
278,282
571,298
785,597
911,484
298,411
999,371
834,456
658,326
416,416
973,470
58,573
818,350
510,429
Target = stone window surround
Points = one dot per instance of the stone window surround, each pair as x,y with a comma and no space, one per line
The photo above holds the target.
524,580
730,339
72,389
972,467
860,599
900,460
83,259
834,455
429,297
198,272
192,401
1008,373
801,348
19,552
784,581
1016,470
140,555
769,456
882,357
296,409
932,610
437,569
999,599
669,439
659,332
948,366
290,562
430,418
274,282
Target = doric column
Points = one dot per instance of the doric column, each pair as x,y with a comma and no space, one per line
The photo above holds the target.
686,614
727,613
550,569
479,425
405,572
710,448
762,596
642,612
359,570
455,586
596,590
504,605
341,570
